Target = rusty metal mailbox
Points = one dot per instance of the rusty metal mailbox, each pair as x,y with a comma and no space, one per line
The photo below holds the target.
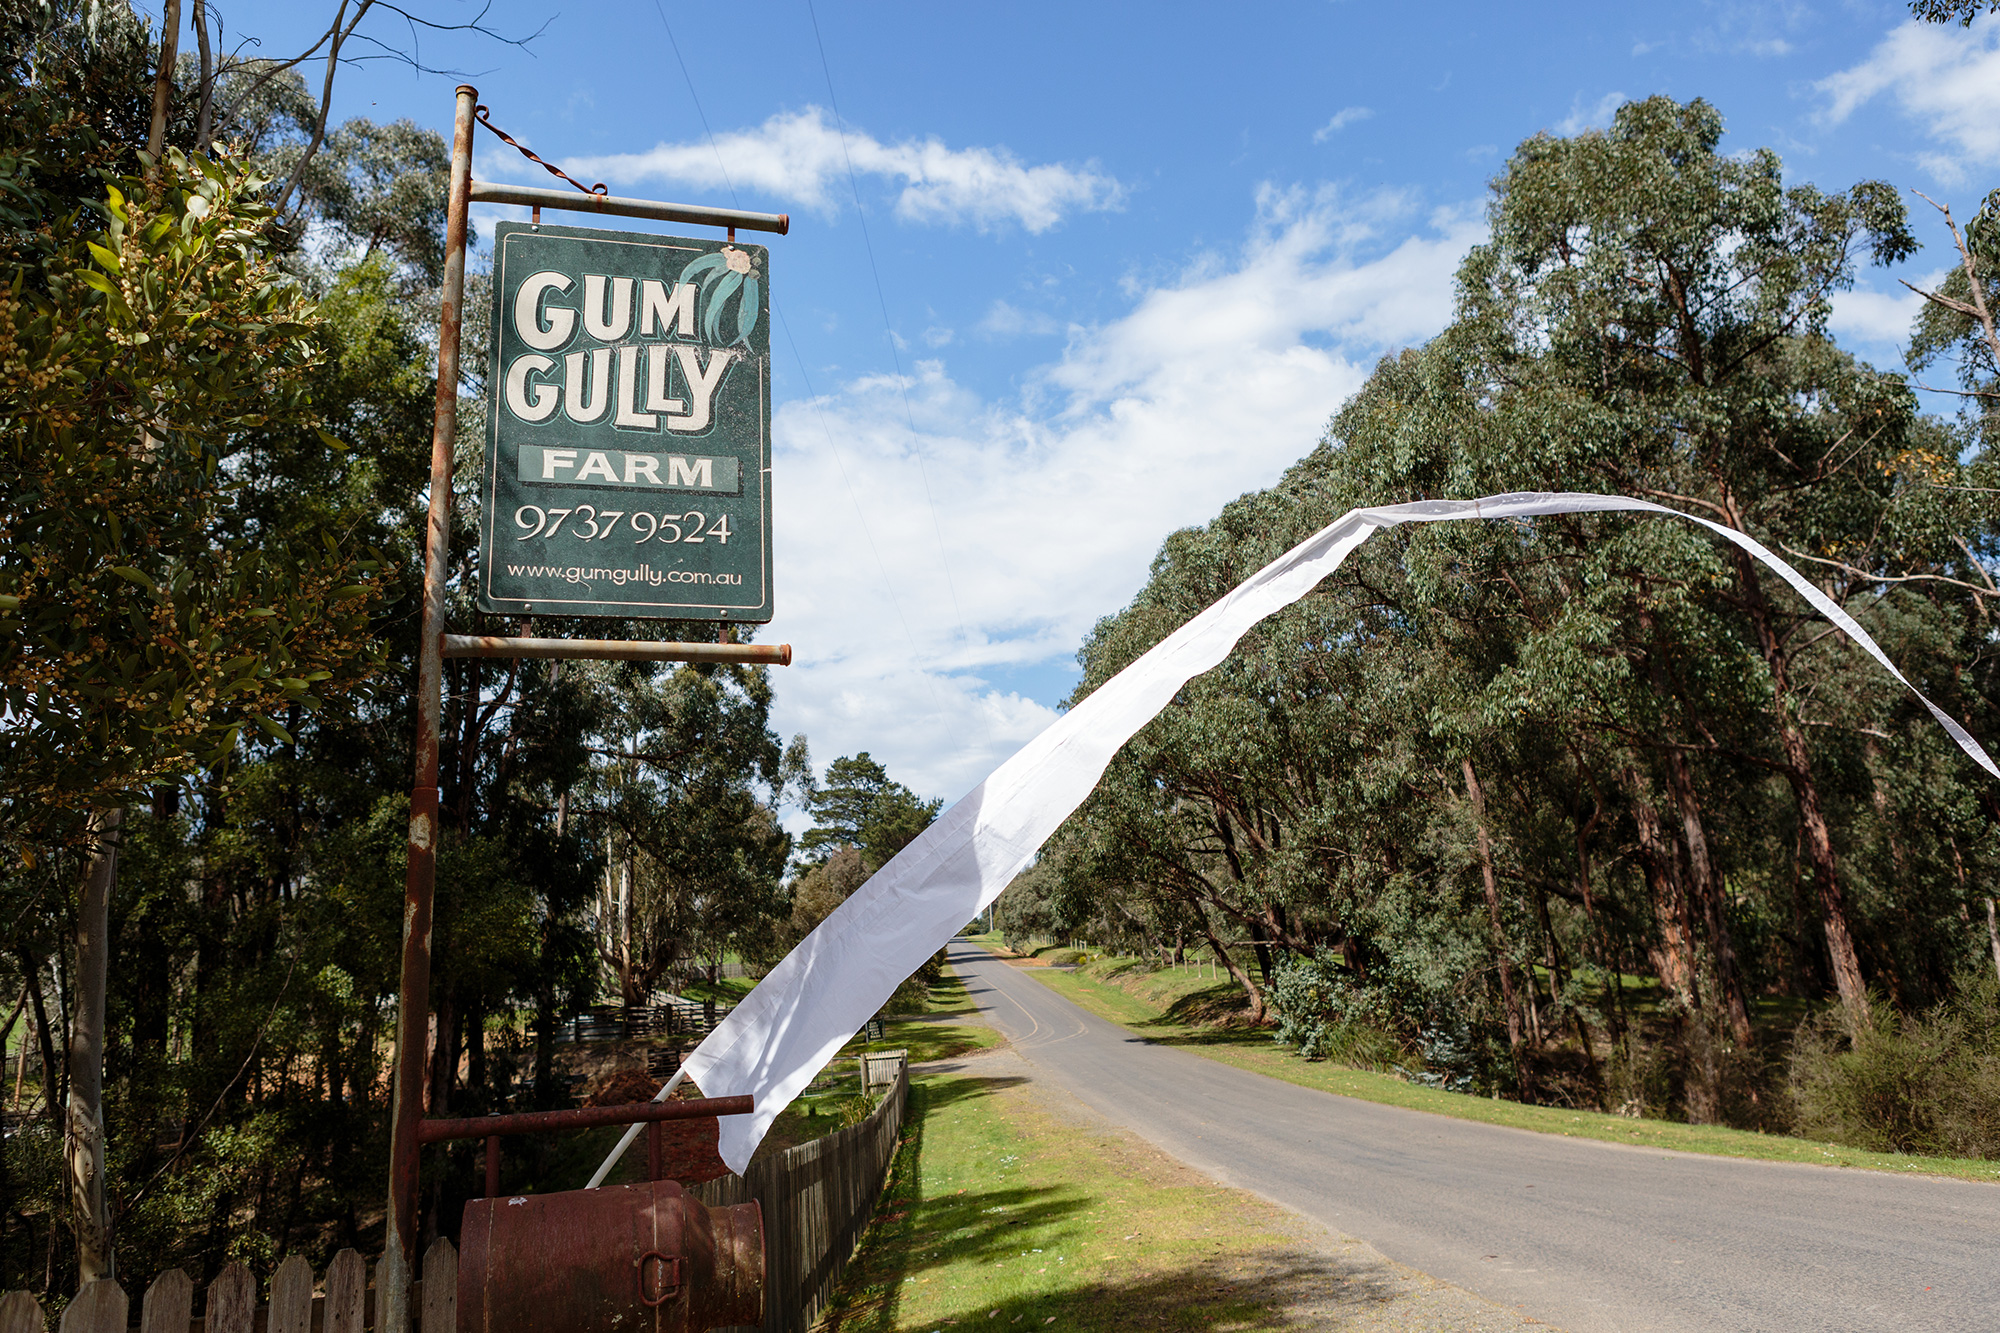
646,1258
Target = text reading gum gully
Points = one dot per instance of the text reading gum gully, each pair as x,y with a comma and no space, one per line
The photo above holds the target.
642,386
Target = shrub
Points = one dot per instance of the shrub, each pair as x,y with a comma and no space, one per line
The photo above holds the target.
1926,1083
1327,1016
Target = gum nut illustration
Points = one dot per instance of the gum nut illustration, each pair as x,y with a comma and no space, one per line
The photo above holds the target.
729,289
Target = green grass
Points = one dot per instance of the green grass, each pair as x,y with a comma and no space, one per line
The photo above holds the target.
724,990
998,1212
927,1036
833,1101
1170,1008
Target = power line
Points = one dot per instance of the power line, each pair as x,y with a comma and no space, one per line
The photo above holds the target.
888,329
854,498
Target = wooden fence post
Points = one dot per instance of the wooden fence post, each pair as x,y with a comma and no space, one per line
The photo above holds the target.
291,1298
169,1304
99,1308
440,1313
20,1313
346,1295
232,1302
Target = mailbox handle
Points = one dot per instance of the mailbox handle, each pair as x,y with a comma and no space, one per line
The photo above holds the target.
670,1265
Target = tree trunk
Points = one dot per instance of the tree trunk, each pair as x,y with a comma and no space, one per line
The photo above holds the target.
1242,978
475,1053
1993,933
1492,888
1818,839
83,1140
1673,954
1706,890
1831,897
205,116
163,80
27,1040
45,1036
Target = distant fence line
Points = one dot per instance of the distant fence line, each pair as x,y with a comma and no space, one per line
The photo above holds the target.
674,1020
817,1200
230,1306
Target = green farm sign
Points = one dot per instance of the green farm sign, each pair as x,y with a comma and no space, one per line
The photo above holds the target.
628,446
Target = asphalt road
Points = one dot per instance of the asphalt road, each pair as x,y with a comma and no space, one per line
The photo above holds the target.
1594,1237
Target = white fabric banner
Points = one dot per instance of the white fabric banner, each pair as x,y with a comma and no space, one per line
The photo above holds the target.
789,1027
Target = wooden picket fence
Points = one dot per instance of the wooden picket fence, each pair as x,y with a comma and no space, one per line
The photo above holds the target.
817,1199
345,1304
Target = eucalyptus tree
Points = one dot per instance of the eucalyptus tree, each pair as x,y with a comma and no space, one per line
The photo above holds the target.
690,777
859,805
1585,746
145,626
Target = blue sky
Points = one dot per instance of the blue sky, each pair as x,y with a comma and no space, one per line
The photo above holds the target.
1126,259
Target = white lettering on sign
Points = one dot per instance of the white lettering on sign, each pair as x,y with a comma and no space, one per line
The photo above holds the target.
606,326
529,325
629,416
658,358
702,383
672,386
547,396
670,314
621,467
582,406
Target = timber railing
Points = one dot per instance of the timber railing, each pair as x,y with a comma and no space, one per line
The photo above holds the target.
345,1304
817,1199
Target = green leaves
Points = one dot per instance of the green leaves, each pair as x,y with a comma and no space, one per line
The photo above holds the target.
121,460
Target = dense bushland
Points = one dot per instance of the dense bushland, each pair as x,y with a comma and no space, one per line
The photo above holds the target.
1591,809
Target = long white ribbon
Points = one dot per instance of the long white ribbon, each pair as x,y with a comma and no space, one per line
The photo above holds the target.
789,1027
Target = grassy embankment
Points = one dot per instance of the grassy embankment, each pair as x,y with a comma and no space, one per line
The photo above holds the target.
1000,1213
1178,1008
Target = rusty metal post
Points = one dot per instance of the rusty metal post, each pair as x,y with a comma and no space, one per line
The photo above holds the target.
492,1166
413,1011
656,1149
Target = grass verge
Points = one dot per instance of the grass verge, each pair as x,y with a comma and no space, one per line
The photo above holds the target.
1003,1214
833,1100
1171,1008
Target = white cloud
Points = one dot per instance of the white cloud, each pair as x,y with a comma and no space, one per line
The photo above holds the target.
1049,507
1341,120
1879,318
800,156
1595,117
1942,75
1008,321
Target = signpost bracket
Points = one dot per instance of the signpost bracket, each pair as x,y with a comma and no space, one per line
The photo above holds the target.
530,196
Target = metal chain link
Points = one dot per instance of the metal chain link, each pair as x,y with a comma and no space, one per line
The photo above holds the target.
600,188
